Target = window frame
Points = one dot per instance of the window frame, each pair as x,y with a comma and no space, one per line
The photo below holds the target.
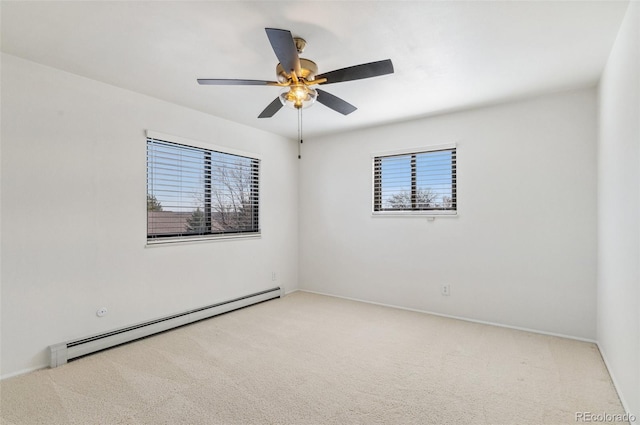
422,212
207,149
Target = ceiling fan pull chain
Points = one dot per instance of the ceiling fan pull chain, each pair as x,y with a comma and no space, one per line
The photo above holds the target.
299,131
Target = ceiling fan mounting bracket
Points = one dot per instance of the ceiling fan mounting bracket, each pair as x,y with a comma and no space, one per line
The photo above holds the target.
300,43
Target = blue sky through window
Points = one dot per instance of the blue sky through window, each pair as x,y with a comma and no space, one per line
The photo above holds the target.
433,180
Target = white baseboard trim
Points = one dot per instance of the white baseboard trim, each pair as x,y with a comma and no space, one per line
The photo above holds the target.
466,319
61,353
22,372
615,382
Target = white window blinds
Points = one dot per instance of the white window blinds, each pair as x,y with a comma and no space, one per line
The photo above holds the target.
194,192
417,182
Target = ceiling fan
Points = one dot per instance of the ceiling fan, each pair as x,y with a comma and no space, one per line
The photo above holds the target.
297,75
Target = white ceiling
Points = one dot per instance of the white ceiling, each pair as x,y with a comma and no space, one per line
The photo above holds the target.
447,55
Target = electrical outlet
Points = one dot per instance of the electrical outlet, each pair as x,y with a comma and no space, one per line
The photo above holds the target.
445,290
274,277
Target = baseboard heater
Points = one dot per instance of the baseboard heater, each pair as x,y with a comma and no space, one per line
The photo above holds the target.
63,352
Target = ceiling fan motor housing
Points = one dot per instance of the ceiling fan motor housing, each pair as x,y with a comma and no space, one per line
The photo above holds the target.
308,71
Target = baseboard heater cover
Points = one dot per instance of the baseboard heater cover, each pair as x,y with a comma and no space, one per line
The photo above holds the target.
63,352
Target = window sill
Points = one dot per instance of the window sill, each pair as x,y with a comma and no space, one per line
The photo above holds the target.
172,242
416,214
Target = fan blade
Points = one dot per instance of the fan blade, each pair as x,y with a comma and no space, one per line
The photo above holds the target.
232,82
270,110
358,72
285,49
334,102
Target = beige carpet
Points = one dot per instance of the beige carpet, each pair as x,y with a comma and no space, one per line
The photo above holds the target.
311,359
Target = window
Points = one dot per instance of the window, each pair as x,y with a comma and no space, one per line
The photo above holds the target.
416,182
196,193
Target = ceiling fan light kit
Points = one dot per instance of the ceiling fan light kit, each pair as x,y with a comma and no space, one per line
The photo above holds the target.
298,97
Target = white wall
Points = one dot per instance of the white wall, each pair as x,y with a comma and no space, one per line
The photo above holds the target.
522,251
619,212
1,244
74,214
